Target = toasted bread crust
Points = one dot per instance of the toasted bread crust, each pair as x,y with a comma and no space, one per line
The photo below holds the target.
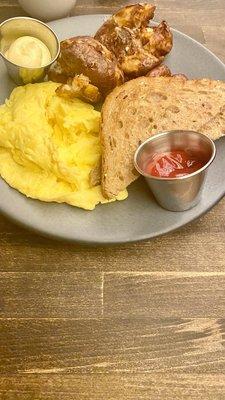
145,106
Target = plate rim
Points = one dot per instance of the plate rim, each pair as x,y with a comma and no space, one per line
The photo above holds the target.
96,243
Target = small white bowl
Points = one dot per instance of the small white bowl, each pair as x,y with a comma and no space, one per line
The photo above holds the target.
47,10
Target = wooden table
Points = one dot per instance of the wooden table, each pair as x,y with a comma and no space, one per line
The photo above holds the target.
141,321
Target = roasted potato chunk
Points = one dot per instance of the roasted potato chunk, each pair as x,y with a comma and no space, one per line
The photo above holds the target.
180,76
162,70
137,47
85,55
134,16
79,87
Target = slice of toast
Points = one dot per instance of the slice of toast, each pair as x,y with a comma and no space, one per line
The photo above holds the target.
145,106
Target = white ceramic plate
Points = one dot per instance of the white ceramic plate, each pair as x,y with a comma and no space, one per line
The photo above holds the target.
139,217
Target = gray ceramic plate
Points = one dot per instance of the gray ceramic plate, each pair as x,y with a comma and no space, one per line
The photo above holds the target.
139,217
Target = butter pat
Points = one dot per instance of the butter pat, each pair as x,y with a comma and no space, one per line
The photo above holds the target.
28,51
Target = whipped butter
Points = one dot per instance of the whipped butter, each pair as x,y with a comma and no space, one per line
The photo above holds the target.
28,51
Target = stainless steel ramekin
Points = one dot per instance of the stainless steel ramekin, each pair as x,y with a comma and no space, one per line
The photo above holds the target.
13,28
181,193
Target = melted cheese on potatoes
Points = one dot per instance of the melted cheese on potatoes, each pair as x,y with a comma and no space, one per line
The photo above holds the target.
49,145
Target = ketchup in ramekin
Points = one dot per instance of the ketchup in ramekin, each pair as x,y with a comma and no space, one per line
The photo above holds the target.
174,164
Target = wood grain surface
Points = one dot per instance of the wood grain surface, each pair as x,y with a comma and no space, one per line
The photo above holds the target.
133,322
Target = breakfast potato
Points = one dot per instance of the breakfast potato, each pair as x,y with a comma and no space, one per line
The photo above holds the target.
180,76
85,55
79,87
137,47
162,70
135,16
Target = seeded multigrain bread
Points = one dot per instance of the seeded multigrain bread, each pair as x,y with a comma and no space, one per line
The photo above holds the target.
145,106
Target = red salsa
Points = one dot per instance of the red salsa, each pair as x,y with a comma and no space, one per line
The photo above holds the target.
174,164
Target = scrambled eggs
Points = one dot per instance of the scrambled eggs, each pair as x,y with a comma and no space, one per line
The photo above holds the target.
49,145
